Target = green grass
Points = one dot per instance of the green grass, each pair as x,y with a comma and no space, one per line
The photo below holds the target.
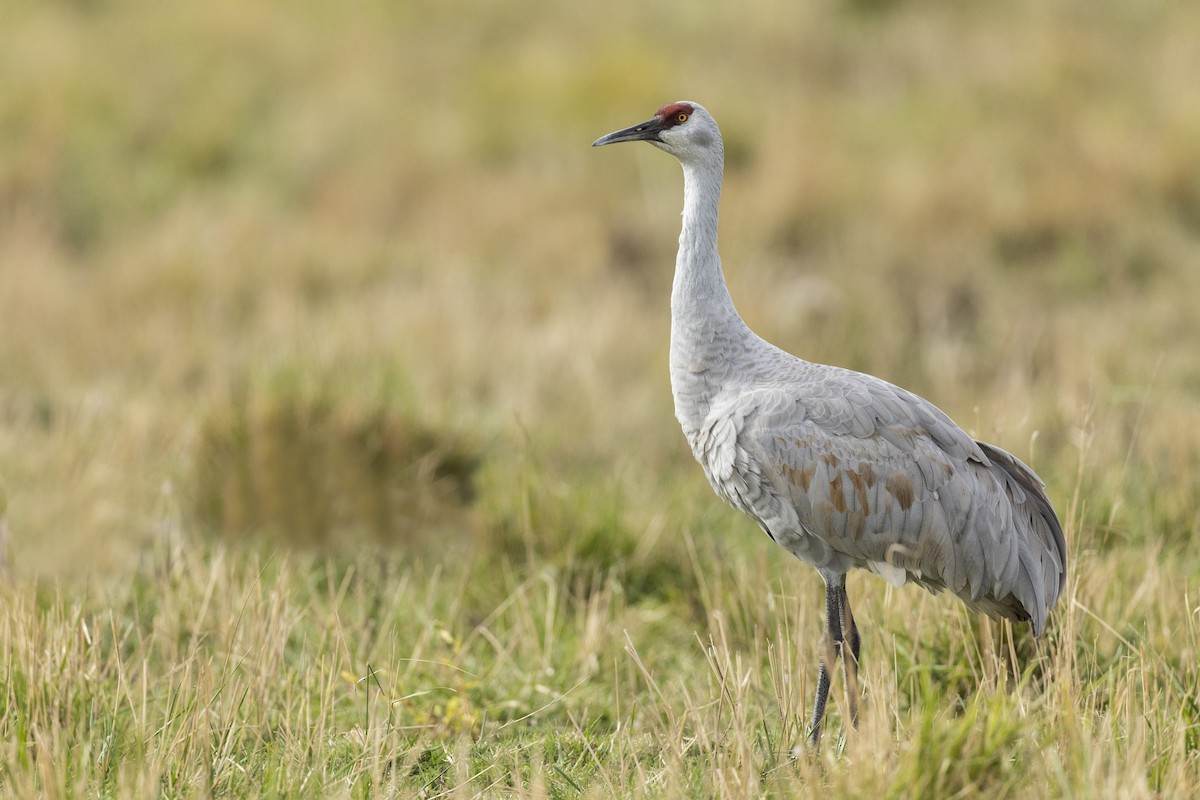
336,445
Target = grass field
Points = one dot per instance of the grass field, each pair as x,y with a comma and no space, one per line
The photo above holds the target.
337,454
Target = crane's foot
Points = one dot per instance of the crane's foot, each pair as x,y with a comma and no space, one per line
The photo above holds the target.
850,660
831,646
828,657
840,630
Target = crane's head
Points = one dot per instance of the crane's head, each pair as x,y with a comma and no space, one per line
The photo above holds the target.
684,129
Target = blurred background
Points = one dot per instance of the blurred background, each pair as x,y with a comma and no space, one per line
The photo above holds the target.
354,274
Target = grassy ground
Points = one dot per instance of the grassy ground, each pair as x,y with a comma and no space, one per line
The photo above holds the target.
335,429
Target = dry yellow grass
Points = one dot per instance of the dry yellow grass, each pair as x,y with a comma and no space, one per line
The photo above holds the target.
390,216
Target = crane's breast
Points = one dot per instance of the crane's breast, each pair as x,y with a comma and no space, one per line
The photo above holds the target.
738,474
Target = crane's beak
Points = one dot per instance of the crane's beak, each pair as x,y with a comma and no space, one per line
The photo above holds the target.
643,132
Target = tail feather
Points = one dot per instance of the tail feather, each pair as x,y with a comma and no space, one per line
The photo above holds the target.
1044,551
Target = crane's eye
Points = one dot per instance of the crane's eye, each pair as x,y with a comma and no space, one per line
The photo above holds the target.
681,117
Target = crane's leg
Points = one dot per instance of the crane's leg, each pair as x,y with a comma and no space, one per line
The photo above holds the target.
850,661
831,645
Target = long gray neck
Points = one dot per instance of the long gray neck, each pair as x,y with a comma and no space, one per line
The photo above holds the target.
707,336
699,290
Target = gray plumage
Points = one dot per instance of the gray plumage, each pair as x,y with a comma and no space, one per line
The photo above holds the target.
845,470
842,469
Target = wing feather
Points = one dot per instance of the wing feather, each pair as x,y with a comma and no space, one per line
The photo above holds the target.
848,470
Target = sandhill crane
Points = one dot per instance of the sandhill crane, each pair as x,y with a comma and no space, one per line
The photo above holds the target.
841,469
